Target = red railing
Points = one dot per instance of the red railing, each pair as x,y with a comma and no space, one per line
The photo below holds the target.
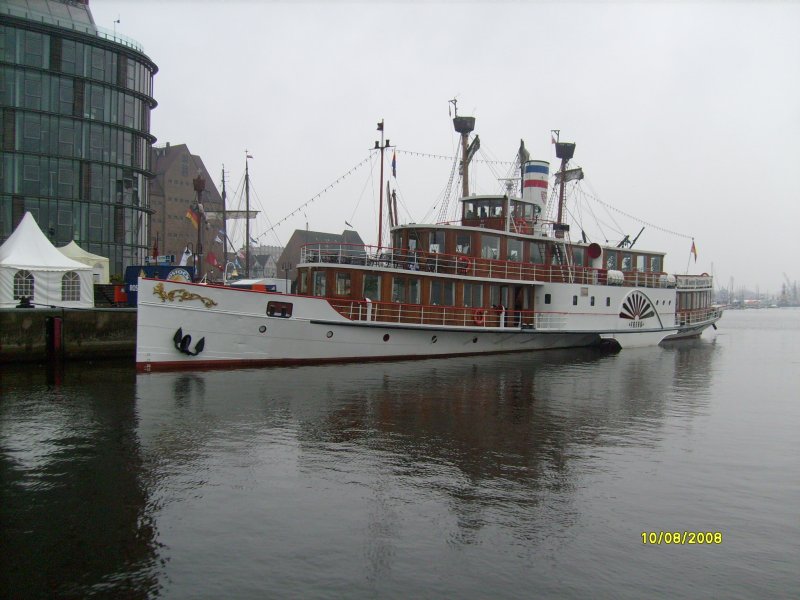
453,316
469,266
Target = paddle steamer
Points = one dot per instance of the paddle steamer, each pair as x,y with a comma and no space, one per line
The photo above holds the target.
501,279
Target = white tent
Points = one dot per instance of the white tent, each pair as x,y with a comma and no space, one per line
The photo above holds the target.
98,263
31,266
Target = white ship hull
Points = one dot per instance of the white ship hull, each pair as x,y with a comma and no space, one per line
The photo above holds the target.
237,331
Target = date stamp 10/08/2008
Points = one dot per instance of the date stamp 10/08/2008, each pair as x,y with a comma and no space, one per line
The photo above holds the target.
681,538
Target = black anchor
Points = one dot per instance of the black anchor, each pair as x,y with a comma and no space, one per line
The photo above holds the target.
182,343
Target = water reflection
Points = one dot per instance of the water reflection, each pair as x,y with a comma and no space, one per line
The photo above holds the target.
75,518
498,440
107,474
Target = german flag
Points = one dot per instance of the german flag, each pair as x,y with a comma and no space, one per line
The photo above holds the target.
193,217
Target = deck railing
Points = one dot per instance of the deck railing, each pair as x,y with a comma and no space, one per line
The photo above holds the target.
697,315
693,282
452,316
468,266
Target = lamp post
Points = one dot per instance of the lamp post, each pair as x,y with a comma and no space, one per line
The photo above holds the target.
199,184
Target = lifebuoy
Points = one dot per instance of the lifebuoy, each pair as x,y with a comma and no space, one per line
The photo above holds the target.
480,316
464,263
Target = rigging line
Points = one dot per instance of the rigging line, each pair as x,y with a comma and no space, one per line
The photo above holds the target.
643,222
610,215
442,157
367,181
595,217
264,214
318,195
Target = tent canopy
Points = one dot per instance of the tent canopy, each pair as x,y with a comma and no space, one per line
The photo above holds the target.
32,267
28,248
99,264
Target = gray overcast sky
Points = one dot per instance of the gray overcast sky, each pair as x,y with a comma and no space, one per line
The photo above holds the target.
685,115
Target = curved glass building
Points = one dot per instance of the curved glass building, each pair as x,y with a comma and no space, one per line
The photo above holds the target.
75,104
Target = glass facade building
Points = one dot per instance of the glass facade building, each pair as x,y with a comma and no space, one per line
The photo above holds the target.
76,144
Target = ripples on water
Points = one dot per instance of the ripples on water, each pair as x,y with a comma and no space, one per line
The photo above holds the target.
511,476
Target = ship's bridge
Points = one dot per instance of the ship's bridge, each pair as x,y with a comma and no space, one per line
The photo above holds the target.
503,213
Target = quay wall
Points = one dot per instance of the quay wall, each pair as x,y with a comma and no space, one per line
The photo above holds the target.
42,334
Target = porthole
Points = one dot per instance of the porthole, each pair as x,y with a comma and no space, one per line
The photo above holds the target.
329,335
433,339
474,340
262,329
386,337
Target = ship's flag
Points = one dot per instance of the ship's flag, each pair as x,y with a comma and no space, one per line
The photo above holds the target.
694,251
394,165
193,217
185,256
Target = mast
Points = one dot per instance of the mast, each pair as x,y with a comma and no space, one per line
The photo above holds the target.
564,151
224,225
247,216
465,126
381,146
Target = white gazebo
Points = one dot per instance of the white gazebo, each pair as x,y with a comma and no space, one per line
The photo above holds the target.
99,264
31,267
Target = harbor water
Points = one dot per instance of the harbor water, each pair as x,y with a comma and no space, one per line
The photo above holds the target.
549,474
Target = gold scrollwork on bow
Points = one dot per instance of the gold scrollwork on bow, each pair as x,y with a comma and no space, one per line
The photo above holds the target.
181,295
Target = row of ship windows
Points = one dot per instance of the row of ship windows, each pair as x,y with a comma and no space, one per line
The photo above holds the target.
548,300
516,250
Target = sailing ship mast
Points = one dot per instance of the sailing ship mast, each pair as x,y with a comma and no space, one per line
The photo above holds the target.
247,216
382,145
224,224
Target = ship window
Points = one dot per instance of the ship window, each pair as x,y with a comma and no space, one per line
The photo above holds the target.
398,289
342,284
547,298
413,291
372,287
494,295
462,243
640,262
515,250
319,283
279,309
574,301
611,260
473,295
442,293
627,262
537,253
608,301
578,257
490,246
655,264
437,242
591,301
303,282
